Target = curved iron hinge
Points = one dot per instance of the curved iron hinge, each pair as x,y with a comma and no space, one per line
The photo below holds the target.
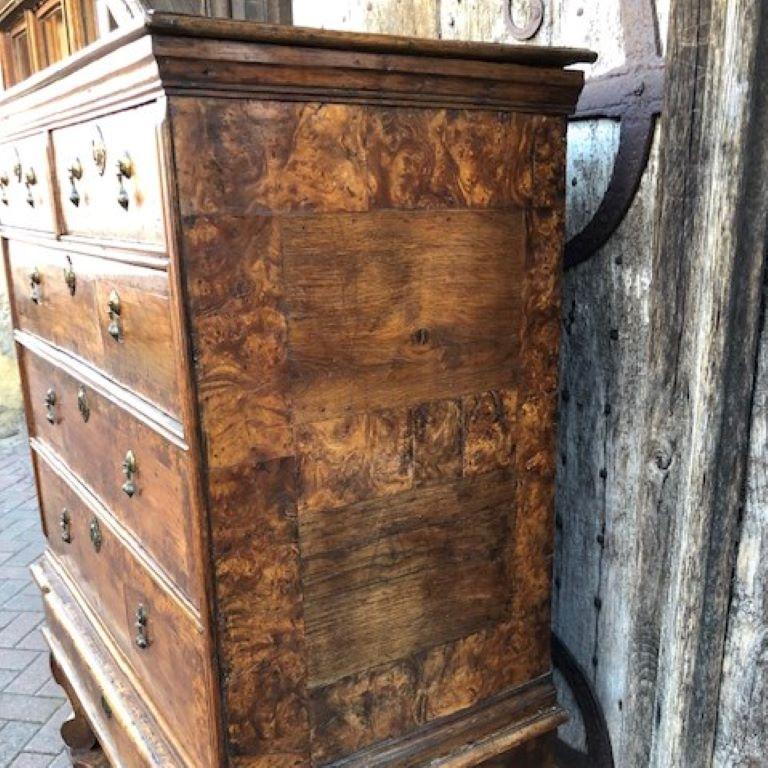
599,751
632,94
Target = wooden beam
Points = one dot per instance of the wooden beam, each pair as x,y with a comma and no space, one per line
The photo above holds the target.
742,721
708,270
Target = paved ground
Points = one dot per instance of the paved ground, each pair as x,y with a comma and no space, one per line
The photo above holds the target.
32,706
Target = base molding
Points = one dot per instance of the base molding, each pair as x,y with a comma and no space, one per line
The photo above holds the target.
472,736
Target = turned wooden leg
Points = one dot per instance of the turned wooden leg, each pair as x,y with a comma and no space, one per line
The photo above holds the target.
76,732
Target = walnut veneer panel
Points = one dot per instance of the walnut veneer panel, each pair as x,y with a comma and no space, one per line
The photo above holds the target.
116,585
392,344
75,316
157,513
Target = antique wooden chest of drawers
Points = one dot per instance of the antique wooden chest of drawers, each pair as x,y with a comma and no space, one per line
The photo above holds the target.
287,309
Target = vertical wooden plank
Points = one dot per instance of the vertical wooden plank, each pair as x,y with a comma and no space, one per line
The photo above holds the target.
605,333
743,711
710,258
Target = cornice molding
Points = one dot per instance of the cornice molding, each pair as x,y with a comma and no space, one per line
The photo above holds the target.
162,53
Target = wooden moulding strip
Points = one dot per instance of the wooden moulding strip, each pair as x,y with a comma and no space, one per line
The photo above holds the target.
140,255
356,42
100,79
150,415
236,69
470,737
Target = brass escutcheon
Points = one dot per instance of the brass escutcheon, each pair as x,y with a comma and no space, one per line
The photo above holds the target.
50,405
113,308
142,638
35,280
82,403
99,153
69,277
65,523
94,530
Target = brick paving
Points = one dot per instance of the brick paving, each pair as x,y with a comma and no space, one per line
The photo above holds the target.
32,706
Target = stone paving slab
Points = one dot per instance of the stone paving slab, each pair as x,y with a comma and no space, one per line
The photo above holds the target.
32,705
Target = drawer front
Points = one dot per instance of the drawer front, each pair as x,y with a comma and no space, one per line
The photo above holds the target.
138,474
127,732
108,172
148,626
70,299
25,186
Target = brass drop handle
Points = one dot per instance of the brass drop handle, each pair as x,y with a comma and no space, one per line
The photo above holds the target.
30,179
82,403
50,405
65,523
35,279
124,171
129,470
75,174
4,182
113,308
17,170
69,277
94,531
142,619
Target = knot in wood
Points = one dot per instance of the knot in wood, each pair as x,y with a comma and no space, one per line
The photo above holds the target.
662,457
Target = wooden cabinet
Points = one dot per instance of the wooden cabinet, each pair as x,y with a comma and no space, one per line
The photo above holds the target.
287,311
38,33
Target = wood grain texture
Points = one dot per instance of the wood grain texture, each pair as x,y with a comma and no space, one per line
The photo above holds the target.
742,717
261,623
346,158
535,754
704,379
143,359
236,69
238,337
114,583
387,578
401,319
131,135
496,726
95,450
358,373
355,43
131,736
